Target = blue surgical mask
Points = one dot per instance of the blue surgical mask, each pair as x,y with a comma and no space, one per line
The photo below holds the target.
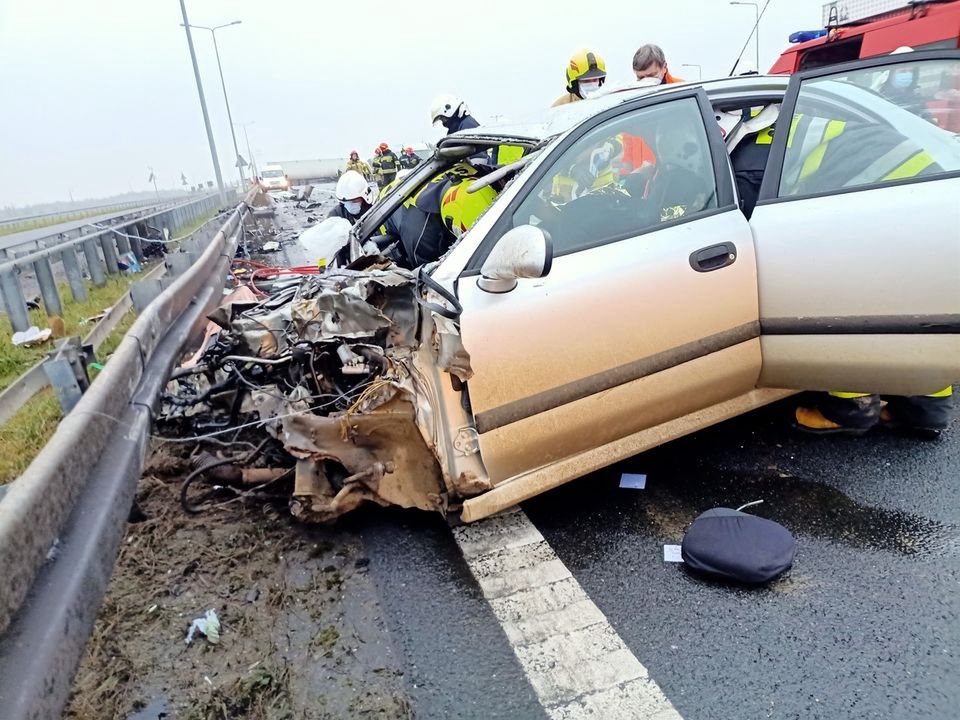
902,80
353,206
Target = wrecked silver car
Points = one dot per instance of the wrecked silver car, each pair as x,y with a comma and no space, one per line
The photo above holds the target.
606,302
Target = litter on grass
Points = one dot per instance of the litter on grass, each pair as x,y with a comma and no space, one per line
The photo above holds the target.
208,626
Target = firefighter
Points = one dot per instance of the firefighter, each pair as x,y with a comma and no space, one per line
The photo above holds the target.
355,196
453,113
387,166
432,219
358,165
408,161
586,74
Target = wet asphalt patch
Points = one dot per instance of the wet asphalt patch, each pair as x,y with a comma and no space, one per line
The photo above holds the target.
864,625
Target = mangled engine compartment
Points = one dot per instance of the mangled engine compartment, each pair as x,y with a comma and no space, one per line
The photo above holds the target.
319,368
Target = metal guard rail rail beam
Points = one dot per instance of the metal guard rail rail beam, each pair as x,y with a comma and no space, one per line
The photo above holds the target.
158,210
74,212
62,521
112,242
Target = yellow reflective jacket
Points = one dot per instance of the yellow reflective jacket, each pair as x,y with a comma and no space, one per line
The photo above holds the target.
360,166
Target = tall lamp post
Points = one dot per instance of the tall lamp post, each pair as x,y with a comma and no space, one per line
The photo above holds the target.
699,69
756,26
223,84
203,105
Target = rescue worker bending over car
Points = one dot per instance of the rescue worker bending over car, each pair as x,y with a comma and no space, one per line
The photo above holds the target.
434,217
355,196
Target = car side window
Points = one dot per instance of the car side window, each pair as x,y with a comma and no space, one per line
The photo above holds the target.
625,177
873,126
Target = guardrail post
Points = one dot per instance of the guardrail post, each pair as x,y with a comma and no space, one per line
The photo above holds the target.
135,243
94,265
48,286
71,264
123,242
109,253
13,299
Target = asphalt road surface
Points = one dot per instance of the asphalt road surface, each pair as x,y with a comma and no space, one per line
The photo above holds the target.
865,625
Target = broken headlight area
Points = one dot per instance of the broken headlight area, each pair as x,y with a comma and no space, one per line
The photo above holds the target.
323,365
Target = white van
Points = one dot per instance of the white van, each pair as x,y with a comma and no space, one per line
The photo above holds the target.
273,178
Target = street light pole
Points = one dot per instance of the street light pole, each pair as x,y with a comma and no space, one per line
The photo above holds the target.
756,26
203,105
223,84
698,67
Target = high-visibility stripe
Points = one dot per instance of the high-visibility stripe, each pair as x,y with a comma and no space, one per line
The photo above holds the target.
819,133
847,395
765,137
946,392
888,163
912,167
797,119
507,154
813,161
834,128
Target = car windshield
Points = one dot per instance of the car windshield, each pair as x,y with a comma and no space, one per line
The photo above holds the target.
272,173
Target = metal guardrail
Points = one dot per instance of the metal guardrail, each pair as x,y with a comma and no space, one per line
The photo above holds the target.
30,239
8,223
62,521
101,251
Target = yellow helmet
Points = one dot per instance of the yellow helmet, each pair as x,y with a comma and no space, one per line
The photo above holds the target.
460,209
584,65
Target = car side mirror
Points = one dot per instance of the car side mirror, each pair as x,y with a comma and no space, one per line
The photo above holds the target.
523,252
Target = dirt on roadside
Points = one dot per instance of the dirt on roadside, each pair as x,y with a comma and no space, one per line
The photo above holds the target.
301,635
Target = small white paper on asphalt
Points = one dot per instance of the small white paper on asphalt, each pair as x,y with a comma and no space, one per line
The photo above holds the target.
633,481
671,553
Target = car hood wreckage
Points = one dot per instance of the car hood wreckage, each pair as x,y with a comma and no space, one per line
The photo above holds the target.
331,365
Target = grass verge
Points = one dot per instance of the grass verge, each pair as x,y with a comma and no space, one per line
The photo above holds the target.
25,434
16,360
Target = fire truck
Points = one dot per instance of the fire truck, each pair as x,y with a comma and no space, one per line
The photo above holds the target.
855,29
866,28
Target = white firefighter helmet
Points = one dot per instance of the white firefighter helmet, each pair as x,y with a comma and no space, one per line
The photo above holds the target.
902,49
447,106
352,185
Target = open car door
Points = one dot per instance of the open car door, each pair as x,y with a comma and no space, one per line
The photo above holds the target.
857,230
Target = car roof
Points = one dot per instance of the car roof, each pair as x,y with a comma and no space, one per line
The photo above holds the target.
560,119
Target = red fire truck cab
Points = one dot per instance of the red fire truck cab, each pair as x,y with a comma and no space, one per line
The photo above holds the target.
867,28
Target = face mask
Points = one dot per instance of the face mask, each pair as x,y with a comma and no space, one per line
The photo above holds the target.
353,206
902,80
588,88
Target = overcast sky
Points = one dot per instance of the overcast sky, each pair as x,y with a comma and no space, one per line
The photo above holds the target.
95,91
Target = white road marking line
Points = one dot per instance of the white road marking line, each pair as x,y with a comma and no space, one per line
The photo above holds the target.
576,662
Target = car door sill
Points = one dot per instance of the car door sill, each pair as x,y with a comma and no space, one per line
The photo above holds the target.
523,487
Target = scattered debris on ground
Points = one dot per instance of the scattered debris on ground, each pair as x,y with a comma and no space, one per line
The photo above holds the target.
300,631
